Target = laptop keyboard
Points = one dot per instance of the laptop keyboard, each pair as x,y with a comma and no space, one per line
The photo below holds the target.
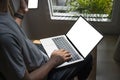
62,43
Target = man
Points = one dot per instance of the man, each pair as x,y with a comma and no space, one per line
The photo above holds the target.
20,59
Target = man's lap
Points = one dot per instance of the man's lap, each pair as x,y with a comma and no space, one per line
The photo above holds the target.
82,69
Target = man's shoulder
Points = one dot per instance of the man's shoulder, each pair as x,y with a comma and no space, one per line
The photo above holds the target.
4,29
7,38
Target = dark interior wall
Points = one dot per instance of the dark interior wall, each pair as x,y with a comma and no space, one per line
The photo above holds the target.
39,24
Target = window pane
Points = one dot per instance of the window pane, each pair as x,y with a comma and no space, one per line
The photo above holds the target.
92,10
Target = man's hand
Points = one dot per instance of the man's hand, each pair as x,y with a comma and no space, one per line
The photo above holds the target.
22,10
23,7
60,56
57,58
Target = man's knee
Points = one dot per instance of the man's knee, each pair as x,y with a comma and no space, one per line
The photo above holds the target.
86,67
88,60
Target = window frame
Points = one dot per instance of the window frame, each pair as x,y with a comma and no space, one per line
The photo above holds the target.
71,15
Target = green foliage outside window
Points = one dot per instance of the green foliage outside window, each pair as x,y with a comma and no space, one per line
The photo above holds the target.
91,6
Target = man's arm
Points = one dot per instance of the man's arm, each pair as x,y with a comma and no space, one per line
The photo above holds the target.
57,58
22,10
14,62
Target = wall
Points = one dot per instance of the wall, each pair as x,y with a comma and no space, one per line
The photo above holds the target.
41,26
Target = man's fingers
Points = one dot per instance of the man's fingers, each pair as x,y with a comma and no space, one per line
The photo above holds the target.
62,49
68,55
68,58
26,1
23,4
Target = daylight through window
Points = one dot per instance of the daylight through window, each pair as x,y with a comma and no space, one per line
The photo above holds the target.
92,10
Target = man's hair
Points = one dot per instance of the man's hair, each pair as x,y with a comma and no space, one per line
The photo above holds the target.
4,5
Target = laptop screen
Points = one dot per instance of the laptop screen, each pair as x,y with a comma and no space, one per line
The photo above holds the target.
84,36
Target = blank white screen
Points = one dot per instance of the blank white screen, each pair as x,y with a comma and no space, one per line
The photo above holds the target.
84,36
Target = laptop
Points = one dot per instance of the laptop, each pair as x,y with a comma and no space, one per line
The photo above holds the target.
79,41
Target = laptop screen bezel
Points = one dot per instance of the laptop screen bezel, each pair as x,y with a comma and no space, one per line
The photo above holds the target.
75,46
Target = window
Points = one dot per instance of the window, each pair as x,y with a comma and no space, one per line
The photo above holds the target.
92,10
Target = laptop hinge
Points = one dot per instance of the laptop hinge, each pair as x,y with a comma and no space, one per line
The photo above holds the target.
74,46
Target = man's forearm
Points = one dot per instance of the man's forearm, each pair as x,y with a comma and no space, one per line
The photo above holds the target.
57,57
40,73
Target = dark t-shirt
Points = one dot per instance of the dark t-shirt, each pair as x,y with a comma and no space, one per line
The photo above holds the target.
17,52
